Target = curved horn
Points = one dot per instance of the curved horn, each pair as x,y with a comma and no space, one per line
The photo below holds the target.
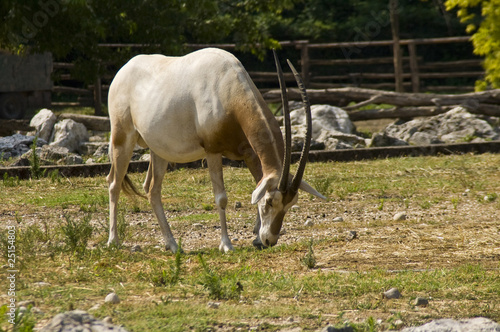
283,184
297,179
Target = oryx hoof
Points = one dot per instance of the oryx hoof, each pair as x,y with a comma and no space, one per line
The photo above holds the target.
226,247
172,247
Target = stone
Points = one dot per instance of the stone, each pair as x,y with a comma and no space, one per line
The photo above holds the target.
399,216
330,328
331,129
79,320
338,219
43,122
392,293
421,302
69,134
351,235
478,324
101,151
237,205
112,298
213,305
309,223
17,145
382,139
71,159
136,248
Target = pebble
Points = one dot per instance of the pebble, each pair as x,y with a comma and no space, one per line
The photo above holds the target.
421,301
309,223
392,293
197,226
351,235
112,298
237,205
136,248
213,305
41,284
108,320
399,216
338,219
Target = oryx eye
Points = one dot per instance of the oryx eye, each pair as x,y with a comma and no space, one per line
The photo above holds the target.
269,202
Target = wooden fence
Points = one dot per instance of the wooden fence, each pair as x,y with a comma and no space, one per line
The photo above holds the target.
334,65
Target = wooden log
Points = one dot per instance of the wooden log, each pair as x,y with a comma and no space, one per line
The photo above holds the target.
92,122
332,96
413,112
9,127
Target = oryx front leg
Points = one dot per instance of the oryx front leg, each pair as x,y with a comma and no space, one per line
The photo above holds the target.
214,162
156,172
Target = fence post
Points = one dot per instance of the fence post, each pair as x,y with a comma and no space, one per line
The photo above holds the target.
398,59
98,96
415,78
304,60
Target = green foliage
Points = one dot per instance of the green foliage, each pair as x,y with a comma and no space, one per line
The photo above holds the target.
309,260
10,181
77,234
36,172
72,30
170,276
482,19
219,288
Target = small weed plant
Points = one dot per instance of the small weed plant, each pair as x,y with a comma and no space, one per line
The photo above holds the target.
77,233
309,260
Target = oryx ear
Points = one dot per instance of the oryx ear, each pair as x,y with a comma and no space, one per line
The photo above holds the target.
259,192
262,187
307,188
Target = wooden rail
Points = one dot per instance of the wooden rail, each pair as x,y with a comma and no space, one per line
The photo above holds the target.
348,66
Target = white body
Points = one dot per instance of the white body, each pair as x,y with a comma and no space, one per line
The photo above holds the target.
202,105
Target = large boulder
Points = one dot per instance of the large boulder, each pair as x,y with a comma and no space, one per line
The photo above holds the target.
43,122
78,320
454,126
331,128
478,324
69,134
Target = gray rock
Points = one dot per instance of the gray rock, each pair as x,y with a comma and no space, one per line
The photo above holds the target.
17,145
69,134
79,320
43,122
351,235
71,159
421,302
330,328
383,139
112,298
399,216
331,129
479,324
392,293
102,151
309,223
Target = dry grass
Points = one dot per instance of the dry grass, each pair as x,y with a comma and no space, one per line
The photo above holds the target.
447,249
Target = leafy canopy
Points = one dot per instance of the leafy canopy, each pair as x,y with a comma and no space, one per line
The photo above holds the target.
482,17
73,29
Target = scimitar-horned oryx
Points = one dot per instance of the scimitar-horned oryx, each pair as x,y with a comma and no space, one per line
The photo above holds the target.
202,105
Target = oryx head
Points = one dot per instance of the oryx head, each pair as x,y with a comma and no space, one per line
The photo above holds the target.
275,194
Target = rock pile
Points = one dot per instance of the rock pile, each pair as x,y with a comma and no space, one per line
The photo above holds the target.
63,142
79,320
454,126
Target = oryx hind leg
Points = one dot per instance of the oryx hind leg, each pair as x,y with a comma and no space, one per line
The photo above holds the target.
120,151
214,162
154,179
